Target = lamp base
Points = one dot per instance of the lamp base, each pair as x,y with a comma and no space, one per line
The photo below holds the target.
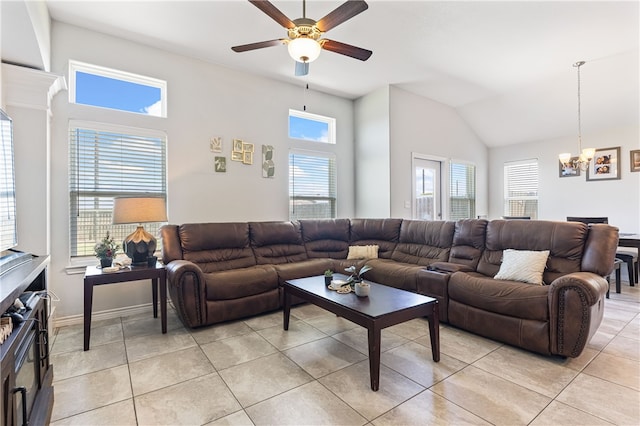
139,246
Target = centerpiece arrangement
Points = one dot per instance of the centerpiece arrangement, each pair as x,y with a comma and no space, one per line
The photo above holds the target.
106,250
354,283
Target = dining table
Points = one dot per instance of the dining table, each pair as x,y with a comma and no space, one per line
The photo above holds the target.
629,240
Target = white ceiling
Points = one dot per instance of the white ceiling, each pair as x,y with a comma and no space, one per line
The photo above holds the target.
505,66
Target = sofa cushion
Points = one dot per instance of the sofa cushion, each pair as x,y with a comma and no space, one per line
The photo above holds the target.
277,242
423,242
523,265
306,268
216,246
326,238
509,298
468,242
238,283
393,274
381,232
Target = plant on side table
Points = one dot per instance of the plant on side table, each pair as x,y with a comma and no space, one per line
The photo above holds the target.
106,250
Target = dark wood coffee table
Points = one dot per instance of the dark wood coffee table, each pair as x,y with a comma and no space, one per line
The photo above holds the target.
385,306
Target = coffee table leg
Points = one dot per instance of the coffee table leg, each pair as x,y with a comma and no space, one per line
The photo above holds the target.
434,332
287,308
374,356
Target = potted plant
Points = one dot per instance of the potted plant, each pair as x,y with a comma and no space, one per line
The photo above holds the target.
106,250
328,276
359,286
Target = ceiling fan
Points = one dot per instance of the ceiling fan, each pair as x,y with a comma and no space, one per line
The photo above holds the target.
304,35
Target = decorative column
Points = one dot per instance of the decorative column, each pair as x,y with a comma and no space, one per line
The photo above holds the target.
28,94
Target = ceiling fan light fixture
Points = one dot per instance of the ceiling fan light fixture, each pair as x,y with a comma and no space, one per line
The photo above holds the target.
304,49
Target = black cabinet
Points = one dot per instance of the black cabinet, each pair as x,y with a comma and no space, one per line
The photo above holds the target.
26,375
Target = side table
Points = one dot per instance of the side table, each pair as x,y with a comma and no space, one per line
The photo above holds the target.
94,276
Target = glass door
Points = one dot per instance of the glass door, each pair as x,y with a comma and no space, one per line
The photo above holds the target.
427,203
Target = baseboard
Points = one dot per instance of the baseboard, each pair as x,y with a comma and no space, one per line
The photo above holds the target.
103,315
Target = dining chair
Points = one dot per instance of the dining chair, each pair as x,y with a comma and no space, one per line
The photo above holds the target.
628,256
516,217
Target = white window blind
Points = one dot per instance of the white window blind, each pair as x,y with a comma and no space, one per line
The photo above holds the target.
8,236
106,162
462,191
312,185
521,188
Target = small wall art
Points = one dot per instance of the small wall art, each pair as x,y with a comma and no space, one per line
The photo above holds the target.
242,151
215,144
268,166
605,164
567,169
635,160
220,164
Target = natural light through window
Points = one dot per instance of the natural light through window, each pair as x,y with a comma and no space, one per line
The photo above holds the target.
311,127
108,88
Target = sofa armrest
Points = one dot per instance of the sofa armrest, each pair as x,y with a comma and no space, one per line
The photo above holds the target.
449,267
188,291
576,307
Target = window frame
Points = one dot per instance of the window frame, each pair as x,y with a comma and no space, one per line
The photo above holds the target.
332,157
472,200
330,121
507,211
77,66
76,192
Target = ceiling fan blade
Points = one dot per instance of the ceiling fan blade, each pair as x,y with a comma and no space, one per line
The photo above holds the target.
258,45
346,49
273,12
302,68
342,13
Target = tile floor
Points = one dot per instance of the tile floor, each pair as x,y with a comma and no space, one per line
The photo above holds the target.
252,372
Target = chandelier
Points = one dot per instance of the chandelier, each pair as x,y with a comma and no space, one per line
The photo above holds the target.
585,155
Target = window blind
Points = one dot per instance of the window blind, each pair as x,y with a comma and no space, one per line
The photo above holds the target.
521,188
8,230
312,185
105,163
462,191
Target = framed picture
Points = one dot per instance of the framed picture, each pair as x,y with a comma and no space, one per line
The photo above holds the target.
236,156
567,169
237,145
220,164
247,147
215,145
268,167
635,160
247,157
605,164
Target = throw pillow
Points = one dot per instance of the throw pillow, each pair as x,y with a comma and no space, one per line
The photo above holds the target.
523,265
363,252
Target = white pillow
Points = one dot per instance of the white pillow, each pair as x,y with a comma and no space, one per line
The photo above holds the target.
363,252
523,265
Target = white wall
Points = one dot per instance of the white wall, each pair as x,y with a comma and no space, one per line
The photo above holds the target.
575,196
423,126
372,166
204,101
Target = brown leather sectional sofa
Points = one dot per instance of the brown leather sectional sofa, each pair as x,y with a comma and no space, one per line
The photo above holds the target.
225,271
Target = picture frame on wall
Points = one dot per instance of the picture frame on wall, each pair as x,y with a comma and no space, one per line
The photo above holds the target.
567,169
635,160
605,164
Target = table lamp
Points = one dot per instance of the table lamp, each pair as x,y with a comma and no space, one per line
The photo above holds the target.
139,245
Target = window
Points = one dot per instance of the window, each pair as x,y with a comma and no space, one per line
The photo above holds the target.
312,185
462,191
311,127
521,188
108,88
108,161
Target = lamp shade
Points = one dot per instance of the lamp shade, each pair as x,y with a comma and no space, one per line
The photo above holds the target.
304,49
139,210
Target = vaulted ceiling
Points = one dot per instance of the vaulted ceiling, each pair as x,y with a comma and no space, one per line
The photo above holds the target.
504,66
